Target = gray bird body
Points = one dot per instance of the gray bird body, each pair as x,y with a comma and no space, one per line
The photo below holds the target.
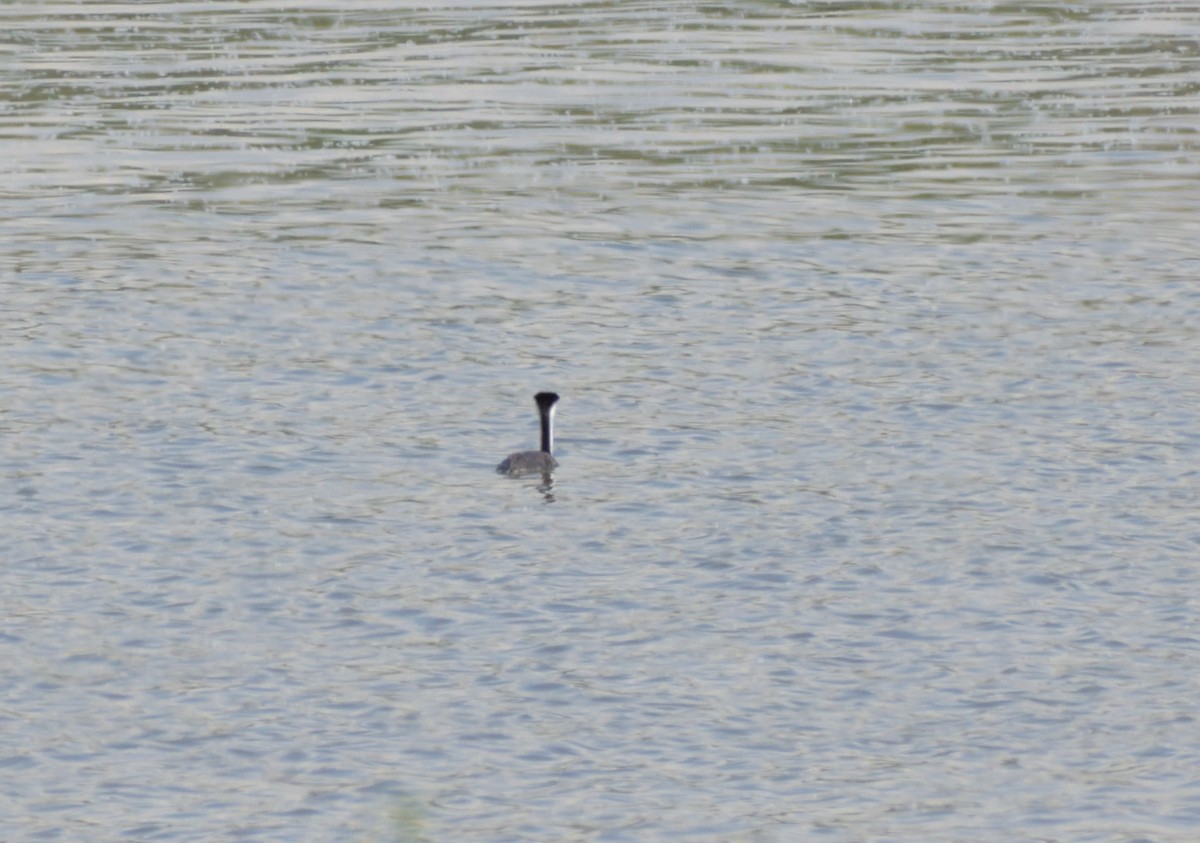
527,462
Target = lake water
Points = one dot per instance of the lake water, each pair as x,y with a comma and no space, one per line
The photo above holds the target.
877,328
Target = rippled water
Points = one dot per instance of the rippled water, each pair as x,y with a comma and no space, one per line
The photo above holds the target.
877,331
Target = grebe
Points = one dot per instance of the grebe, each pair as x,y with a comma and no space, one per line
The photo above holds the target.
535,462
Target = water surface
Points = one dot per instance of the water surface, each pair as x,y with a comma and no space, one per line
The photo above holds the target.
876,327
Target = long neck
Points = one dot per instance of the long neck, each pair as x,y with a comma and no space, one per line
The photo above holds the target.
548,429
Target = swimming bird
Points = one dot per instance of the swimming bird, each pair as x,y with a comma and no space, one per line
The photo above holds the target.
534,462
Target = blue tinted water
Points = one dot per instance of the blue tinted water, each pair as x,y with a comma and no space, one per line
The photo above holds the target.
876,333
